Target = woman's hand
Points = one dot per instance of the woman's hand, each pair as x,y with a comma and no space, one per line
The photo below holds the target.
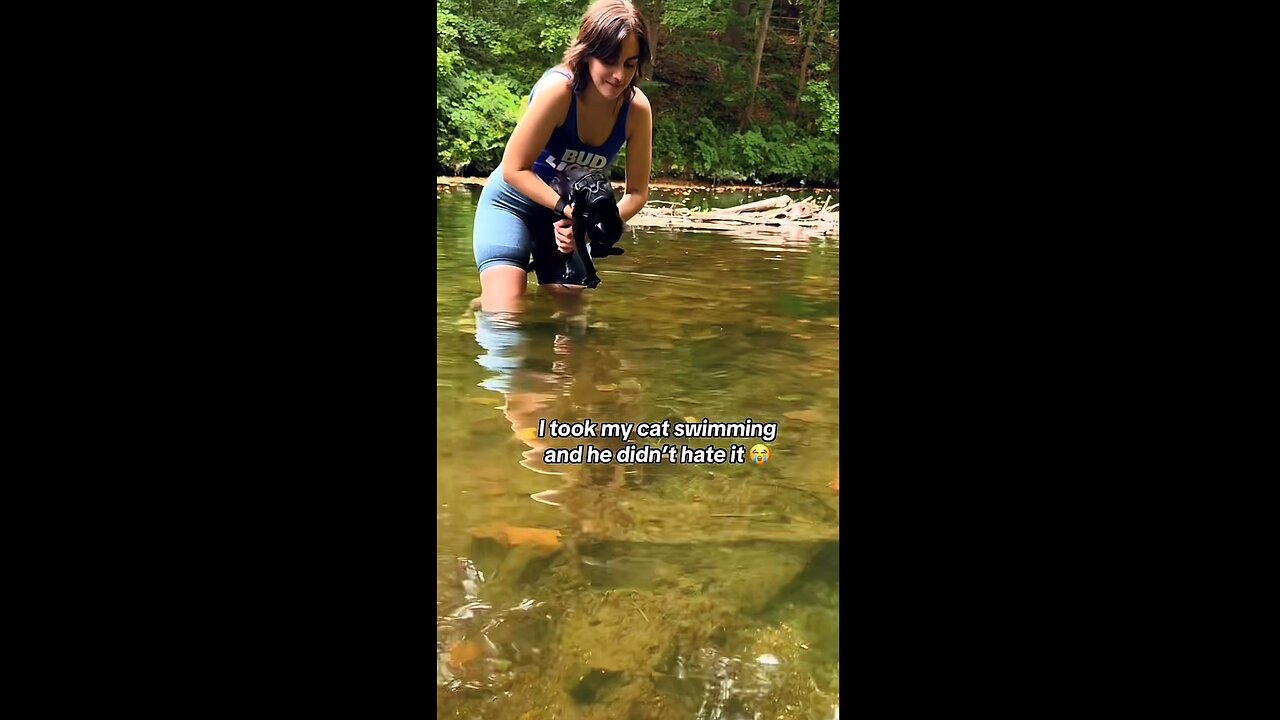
564,232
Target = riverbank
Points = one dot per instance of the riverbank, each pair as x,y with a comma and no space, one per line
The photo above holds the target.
663,184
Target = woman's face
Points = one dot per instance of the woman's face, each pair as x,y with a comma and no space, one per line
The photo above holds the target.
611,80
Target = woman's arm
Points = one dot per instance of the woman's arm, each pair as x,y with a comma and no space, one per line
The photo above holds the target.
639,157
529,139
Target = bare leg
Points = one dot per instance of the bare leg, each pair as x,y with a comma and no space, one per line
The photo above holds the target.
502,292
523,410
502,288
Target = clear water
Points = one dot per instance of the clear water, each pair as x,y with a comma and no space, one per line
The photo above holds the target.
647,589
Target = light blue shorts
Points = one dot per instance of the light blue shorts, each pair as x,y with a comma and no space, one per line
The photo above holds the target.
510,229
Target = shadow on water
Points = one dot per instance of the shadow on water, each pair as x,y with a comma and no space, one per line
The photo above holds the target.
639,589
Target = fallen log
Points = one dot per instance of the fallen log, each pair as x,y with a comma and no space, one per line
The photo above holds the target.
766,204
772,215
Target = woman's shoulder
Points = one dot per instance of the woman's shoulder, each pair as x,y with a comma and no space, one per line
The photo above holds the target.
554,88
640,104
558,75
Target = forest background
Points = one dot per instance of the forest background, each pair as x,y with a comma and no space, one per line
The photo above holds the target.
742,90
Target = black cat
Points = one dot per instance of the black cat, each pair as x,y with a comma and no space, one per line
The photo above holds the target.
597,226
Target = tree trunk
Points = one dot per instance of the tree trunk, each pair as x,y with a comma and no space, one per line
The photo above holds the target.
742,10
835,74
804,61
755,76
654,16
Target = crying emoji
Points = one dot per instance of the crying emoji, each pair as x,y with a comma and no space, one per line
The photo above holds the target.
759,454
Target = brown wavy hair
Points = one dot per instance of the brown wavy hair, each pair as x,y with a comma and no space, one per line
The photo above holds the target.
604,26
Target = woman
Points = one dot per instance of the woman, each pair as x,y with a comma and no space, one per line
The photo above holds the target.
580,113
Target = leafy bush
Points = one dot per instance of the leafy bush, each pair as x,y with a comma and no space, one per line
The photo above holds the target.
782,152
818,93
475,113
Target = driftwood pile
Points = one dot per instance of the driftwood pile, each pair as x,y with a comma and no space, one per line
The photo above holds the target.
780,215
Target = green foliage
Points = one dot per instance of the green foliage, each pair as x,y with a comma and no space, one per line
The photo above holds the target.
490,52
446,61
692,15
750,149
818,93
779,152
554,37
447,55
475,113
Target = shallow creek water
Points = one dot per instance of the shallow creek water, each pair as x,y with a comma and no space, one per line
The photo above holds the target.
660,589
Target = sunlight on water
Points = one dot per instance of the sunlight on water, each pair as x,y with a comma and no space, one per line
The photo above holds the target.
647,589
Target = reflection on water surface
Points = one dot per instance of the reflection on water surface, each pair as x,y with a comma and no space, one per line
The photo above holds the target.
643,589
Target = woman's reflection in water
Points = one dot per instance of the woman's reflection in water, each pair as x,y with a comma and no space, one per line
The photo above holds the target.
542,363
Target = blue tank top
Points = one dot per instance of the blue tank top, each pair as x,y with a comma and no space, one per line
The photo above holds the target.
566,148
